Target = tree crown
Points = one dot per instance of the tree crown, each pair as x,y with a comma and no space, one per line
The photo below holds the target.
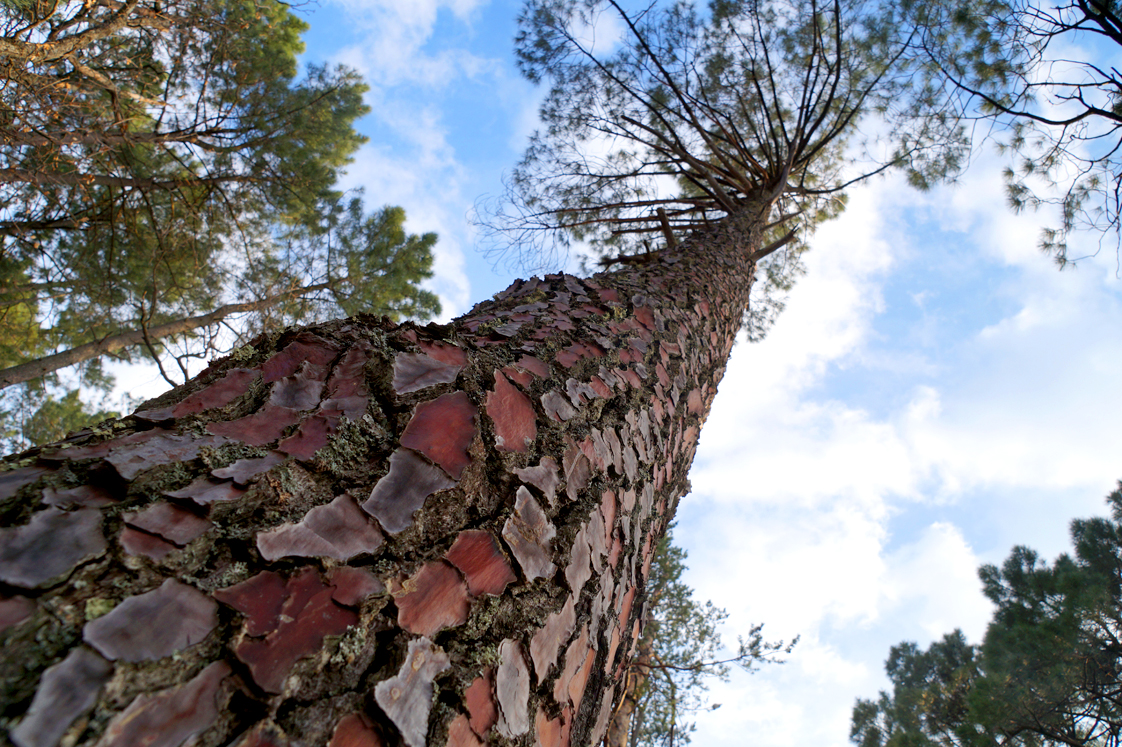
689,117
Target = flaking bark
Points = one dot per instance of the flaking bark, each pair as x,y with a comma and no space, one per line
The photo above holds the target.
279,447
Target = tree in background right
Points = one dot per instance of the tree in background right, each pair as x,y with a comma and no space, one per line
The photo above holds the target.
1047,672
678,654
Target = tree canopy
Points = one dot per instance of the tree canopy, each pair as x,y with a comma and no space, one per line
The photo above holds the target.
168,187
1047,673
665,119
1037,76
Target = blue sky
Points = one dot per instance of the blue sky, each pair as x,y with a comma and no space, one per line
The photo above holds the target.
935,393
450,114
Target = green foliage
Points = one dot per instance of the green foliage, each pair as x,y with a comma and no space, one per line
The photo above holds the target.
383,265
360,263
165,158
47,411
680,651
1038,77
54,418
1047,672
928,701
748,114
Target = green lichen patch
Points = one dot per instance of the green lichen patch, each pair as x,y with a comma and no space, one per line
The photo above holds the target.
156,482
314,722
353,448
227,454
132,679
98,606
41,642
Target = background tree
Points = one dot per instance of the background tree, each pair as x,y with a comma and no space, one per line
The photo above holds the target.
165,171
678,652
41,412
352,264
1036,76
1048,671
928,701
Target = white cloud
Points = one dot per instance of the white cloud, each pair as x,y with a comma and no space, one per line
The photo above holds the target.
433,202
934,583
799,446
526,120
395,35
602,33
852,475
763,718
785,566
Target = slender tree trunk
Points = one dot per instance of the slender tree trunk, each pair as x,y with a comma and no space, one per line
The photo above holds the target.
636,675
639,669
370,534
20,227
33,369
74,179
17,49
17,138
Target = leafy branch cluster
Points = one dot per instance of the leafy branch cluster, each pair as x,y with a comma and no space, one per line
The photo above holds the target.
1028,71
679,652
168,189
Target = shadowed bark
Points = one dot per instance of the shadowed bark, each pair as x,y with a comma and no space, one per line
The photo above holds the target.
499,604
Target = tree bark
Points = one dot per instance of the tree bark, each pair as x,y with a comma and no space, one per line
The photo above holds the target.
376,534
33,369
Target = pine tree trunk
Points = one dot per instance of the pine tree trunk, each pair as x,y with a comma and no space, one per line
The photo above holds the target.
367,534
